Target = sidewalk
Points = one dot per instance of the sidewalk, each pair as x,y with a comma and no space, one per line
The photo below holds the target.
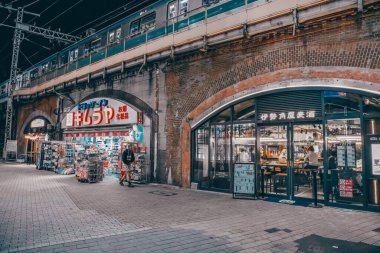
44,212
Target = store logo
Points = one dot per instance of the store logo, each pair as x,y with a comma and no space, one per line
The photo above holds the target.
288,115
92,104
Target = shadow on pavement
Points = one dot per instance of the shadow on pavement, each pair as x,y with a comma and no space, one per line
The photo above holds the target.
315,243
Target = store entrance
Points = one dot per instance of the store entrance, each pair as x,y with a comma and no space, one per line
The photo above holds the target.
288,155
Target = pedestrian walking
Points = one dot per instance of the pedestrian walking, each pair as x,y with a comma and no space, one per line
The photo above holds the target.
128,158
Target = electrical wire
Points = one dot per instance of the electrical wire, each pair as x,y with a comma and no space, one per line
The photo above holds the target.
25,6
123,6
114,17
72,6
26,58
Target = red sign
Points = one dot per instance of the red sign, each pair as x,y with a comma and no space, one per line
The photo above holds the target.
346,188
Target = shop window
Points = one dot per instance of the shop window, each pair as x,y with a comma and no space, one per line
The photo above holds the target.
243,143
183,7
341,103
220,149
143,24
172,10
244,110
372,126
201,156
114,36
73,55
371,106
224,116
344,152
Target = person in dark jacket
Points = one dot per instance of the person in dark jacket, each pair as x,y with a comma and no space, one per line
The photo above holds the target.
128,158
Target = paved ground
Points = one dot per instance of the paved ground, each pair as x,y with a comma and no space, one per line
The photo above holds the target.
44,212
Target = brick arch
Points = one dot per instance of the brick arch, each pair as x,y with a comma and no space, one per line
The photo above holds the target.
359,80
35,114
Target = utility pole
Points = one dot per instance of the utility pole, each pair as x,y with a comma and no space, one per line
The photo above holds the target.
18,36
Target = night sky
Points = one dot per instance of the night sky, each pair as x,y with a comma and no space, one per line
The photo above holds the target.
68,15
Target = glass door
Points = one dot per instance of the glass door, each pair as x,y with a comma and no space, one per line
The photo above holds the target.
273,147
344,152
307,156
220,151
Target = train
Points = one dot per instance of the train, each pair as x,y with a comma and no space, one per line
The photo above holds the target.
158,19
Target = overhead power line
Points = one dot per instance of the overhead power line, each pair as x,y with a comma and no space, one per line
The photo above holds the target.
72,6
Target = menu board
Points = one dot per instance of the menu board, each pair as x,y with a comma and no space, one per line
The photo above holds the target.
351,156
346,188
346,156
341,156
375,159
244,178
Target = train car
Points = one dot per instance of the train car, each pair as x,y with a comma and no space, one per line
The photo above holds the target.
159,19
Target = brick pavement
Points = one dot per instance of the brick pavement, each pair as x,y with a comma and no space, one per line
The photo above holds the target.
44,212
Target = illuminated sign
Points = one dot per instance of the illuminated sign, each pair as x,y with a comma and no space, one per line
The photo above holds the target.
37,123
293,115
101,112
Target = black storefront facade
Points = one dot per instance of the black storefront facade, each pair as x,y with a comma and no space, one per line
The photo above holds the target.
275,133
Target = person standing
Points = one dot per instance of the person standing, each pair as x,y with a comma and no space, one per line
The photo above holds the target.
311,159
128,158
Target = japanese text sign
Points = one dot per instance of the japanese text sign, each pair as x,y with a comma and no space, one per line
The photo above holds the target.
101,112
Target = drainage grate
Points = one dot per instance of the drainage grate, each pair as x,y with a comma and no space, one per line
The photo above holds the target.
163,193
272,230
287,230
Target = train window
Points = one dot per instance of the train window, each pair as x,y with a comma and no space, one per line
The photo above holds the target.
148,22
45,67
114,36
208,2
143,24
135,27
34,73
172,12
92,46
53,63
73,55
63,59
183,7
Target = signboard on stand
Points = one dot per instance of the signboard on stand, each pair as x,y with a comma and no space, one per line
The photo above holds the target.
11,150
244,180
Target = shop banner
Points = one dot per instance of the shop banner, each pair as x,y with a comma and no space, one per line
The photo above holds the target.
101,112
375,159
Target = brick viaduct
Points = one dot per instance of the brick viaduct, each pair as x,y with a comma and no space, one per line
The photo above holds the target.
342,52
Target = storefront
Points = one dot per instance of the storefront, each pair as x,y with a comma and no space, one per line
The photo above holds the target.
286,136
34,132
105,127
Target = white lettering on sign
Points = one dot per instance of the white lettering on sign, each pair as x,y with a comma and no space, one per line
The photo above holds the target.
264,116
288,116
